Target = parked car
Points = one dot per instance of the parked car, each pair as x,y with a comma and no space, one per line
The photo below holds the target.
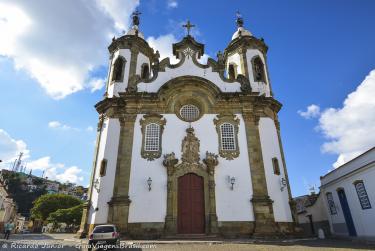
104,235
25,231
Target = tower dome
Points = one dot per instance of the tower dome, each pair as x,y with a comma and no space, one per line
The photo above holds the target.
241,31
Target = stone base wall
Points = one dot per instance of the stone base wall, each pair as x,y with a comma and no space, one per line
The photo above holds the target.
146,230
236,229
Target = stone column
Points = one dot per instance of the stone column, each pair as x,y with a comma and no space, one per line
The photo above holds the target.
211,162
83,230
169,162
262,204
119,203
132,70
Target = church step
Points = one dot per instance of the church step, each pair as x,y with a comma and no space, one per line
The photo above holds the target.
191,236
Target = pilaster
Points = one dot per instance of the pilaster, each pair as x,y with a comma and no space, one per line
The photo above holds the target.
262,204
83,230
119,203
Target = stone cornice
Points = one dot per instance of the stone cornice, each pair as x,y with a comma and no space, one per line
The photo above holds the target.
132,42
246,42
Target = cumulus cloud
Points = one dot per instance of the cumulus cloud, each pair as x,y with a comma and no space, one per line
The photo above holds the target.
60,43
56,171
58,125
312,111
171,4
10,147
350,129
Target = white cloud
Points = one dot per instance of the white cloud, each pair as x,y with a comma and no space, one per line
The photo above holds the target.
90,129
56,171
10,148
172,4
59,43
312,111
58,125
97,84
350,129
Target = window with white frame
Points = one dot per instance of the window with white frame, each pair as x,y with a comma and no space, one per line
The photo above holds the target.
362,195
228,141
152,135
189,113
331,203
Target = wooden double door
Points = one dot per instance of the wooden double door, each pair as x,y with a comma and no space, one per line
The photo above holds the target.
190,206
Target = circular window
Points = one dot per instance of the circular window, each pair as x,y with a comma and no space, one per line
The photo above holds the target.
189,113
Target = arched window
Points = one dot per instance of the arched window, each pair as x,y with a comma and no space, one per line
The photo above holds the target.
118,69
152,135
228,141
145,71
231,71
276,167
258,70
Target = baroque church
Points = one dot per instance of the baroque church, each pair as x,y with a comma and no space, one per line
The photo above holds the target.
189,148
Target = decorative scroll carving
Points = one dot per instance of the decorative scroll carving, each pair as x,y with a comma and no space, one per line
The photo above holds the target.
190,148
211,162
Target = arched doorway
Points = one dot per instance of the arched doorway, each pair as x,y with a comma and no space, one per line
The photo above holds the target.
190,205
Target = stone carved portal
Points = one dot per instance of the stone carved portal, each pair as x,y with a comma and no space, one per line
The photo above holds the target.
190,164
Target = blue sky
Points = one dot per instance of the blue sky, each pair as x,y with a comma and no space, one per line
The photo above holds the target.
53,63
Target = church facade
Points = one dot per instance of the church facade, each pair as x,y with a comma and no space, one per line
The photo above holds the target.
189,148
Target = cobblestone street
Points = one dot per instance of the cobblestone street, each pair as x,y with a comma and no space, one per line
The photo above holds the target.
67,242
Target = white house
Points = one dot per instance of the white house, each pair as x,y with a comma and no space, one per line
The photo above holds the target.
349,194
189,148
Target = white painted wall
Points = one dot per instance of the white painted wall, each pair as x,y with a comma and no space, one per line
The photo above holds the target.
150,206
318,211
115,87
108,149
271,149
261,87
235,58
142,59
188,68
361,168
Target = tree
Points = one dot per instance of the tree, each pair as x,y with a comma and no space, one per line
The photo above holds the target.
49,203
69,216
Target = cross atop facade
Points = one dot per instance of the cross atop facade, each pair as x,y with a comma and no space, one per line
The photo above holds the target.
135,15
188,26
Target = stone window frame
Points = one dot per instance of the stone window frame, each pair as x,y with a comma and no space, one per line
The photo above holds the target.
234,67
363,198
103,167
331,203
276,166
234,121
143,66
263,73
152,119
121,79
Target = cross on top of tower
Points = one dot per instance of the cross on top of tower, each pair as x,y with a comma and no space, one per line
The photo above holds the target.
239,20
188,26
135,16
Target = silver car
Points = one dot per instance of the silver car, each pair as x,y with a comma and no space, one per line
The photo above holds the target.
104,236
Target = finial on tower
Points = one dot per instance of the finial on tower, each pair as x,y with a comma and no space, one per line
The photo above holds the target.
188,26
135,16
239,20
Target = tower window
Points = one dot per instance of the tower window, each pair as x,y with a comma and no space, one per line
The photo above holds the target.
118,69
362,195
103,167
231,71
152,137
276,167
228,141
145,71
331,203
258,70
